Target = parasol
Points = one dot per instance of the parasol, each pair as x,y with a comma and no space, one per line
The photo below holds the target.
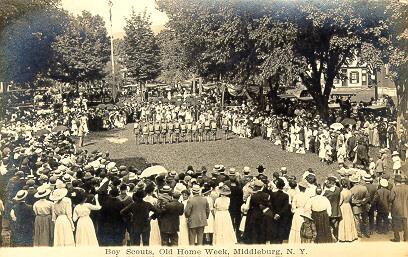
152,171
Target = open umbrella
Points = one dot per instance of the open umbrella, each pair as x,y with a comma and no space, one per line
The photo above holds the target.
41,132
349,121
336,126
152,171
60,128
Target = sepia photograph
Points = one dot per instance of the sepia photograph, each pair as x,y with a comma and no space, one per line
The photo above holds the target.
203,128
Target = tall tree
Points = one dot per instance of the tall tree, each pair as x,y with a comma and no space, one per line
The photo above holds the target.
173,59
82,51
141,51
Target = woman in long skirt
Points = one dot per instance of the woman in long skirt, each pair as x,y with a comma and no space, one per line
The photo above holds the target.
62,217
347,226
43,225
183,233
209,229
85,231
298,209
224,233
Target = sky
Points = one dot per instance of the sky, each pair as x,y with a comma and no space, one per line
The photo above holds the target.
120,10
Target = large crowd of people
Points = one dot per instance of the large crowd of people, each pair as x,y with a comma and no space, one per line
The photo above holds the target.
54,193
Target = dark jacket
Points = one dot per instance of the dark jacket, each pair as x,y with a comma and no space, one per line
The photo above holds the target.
170,217
139,211
334,198
382,200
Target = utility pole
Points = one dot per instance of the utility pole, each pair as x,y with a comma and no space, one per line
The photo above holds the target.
114,90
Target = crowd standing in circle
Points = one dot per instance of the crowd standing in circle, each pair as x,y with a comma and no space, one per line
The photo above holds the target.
57,194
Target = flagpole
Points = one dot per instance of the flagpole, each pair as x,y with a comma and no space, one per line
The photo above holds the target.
114,91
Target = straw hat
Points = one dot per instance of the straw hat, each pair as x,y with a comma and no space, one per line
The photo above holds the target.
58,194
383,182
196,189
21,195
42,192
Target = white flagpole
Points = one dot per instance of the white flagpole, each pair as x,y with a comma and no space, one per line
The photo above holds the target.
114,91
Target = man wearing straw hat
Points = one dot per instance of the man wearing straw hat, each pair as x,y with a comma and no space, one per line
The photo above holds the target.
197,212
22,216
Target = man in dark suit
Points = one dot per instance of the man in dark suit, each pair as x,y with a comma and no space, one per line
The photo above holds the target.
170,221
267,222
370,207
140,225
332,192
281,208
111,226
236,201
253,225
197,212
399,208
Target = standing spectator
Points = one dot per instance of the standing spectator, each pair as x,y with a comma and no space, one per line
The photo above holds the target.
370,206
197,211
170,221
223,228
281,209
308,231
320,208
236,201
23,218
140,221
359,196
399,208
298,208
382,202
1,221
332,192
347,225
85,232
62,217
43,226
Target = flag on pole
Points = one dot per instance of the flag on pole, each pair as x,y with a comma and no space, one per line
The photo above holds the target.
110,10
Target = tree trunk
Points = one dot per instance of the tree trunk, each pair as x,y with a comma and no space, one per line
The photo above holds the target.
322,105
273,93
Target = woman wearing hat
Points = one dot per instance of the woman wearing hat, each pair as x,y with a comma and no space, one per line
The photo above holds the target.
85,232
43,226
224,233
347,225
298,207
62,217
23,217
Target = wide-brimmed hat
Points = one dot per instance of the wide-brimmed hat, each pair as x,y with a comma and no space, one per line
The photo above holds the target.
42,191
66,178
172,173
217,168
196,189
58,173
261,168
21,195
58,194
247,170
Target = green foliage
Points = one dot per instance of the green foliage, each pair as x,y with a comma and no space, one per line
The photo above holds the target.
140,47
82,51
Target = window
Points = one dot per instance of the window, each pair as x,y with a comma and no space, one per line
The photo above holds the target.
354,77
364,79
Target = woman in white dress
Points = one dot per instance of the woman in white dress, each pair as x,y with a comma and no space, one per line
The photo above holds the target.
224,233
298,208
85,232
209,229
62,217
